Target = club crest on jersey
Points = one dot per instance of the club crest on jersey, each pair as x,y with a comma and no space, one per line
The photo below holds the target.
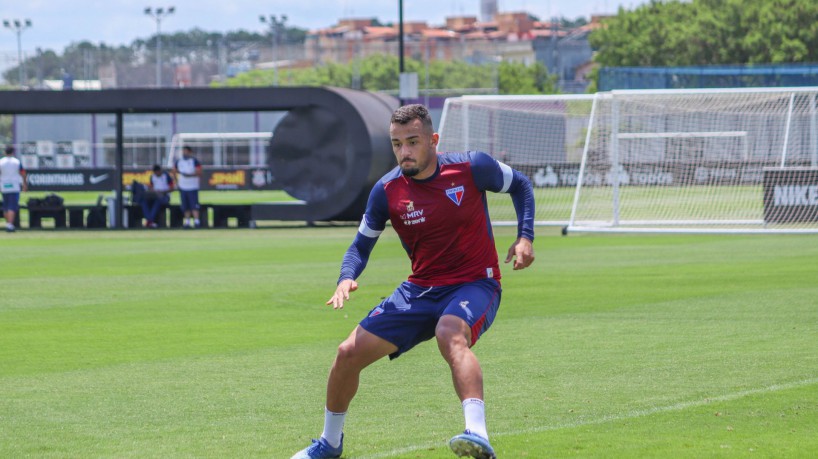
456,194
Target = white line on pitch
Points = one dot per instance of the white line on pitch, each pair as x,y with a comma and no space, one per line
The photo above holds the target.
613,418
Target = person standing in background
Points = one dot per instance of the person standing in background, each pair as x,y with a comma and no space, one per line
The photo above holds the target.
12,181
187,171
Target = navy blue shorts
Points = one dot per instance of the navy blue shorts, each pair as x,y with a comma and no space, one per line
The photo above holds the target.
409,316
190,199
11,201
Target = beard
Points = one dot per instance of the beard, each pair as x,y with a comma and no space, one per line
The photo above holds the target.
410,168
410,171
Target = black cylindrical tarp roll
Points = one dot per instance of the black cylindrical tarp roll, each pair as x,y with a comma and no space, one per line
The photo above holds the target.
330,156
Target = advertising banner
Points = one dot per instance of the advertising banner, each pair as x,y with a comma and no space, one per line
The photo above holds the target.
557,174
71,179
100,179
791,195
257,178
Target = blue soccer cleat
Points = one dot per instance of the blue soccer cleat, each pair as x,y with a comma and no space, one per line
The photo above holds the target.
320,449
468,444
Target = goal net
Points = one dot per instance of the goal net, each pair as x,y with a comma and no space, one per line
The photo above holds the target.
223,149
743,160
541,136
700,161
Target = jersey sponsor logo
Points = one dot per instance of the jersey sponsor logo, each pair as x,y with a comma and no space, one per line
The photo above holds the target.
412,216
456,194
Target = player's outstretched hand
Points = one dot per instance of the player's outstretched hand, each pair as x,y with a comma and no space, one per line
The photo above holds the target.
522,252
342,293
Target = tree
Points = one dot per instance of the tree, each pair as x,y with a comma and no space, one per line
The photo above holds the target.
380,73
82,59
706,32
6,129
519,79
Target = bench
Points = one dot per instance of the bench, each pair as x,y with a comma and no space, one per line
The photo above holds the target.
170,216
223,212
37,214
75,215
135,216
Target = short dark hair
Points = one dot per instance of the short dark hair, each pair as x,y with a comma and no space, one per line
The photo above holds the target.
407,113
187,148
9,150
157,168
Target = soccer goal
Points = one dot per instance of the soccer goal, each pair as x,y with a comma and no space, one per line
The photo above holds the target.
230,149
710,160
730,160
542,136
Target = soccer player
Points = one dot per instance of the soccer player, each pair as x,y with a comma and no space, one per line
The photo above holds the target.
187,170
12,180
437,205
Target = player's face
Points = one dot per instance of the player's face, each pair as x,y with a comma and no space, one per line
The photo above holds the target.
415,148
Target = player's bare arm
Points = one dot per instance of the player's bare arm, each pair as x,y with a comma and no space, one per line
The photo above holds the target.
522,252
342,293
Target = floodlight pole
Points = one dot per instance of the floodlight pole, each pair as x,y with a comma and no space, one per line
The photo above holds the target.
401,66
158,14
18,26
276,26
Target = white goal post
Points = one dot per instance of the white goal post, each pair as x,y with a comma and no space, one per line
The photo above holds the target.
705,160
236,149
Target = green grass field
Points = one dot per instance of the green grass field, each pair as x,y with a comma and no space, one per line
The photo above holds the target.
217,343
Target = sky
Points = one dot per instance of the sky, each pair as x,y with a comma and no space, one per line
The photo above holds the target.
58,23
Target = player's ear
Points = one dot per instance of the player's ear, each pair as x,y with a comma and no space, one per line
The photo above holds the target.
435,139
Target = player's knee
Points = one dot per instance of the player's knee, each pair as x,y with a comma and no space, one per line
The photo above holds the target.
346,351
452,331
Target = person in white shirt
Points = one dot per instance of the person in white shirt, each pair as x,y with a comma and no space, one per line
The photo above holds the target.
187,170
159,188
12,180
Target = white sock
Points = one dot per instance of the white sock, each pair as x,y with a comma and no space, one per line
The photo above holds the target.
475,413
333,427
10,225
197,222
